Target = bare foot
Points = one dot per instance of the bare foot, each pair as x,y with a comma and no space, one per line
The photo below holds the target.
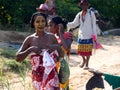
86,67
82,65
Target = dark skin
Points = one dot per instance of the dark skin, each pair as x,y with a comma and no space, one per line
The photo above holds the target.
58,29
38,41
86,59
84,6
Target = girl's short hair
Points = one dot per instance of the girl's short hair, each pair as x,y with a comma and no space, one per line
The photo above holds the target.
33,17
58,20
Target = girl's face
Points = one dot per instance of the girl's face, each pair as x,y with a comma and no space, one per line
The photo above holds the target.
40,23
53,27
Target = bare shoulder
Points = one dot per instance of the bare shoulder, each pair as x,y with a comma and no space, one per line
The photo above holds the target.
51,35
29,38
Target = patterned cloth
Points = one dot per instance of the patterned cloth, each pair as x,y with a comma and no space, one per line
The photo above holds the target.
41,80
66,35
85,47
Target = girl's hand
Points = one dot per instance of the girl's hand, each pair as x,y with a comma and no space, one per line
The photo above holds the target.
60,27
70,35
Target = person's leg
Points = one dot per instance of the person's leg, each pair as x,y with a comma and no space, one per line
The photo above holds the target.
83,63
67,88
87,62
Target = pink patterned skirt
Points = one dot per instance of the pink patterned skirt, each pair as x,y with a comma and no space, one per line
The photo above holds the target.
40,80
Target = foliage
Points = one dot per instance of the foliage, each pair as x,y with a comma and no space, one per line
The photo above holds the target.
14,66
108,9
9,67
7,52
64,11
17,13
8,62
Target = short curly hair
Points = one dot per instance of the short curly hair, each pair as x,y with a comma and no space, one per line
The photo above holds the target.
34,17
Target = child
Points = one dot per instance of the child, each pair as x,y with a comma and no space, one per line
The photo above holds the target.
36,45
57,27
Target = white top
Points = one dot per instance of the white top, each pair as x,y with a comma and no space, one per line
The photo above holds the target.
87,28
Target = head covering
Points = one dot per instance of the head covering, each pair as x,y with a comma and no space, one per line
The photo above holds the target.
83,1
42,7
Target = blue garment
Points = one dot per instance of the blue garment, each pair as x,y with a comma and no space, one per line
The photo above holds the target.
85,41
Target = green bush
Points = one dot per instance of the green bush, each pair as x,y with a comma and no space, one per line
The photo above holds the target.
10,64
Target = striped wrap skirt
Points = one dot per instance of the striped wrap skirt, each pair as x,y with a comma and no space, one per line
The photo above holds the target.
85,47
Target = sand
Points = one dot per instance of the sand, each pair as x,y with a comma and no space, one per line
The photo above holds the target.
106,60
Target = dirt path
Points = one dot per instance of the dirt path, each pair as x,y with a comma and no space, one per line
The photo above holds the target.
106,60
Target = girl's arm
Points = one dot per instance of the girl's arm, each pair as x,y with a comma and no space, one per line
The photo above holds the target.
66,42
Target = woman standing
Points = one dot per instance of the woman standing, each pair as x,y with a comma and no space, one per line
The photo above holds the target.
87,29
37,45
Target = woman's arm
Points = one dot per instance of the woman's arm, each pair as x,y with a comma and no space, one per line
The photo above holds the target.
25,50
75,22
56,46
94,24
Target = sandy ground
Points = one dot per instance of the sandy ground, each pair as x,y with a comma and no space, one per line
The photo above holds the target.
106,60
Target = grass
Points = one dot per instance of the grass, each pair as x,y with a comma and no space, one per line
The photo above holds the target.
8,61
7,52
12,71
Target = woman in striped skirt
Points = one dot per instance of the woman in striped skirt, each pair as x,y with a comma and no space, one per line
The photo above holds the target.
87,21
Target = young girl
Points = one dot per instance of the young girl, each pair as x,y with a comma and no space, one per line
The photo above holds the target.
57,27
36,45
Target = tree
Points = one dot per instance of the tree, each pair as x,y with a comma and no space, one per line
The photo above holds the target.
18,12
